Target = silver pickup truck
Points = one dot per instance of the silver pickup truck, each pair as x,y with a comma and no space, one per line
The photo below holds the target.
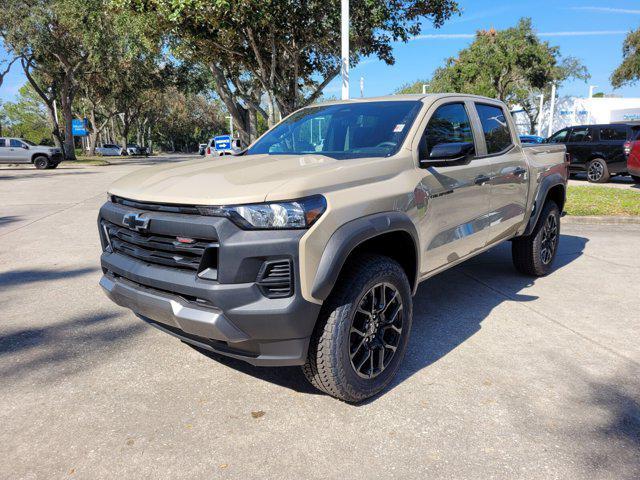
18,150
308,247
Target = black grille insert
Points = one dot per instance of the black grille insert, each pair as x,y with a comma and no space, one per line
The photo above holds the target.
161,249
275,279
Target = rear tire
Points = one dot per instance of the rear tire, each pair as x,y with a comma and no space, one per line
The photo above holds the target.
362,332
41,162
534,254
598,171
636,179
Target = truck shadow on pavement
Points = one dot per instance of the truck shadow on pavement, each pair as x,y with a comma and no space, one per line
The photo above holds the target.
448,310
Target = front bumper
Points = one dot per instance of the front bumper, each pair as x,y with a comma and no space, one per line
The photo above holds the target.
230,315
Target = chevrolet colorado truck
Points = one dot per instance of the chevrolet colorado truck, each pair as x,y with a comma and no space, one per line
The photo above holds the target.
306,249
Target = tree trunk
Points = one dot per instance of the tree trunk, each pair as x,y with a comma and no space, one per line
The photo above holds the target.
66,101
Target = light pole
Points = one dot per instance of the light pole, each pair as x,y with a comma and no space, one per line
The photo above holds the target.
345,49
552,109
230,124
591,89
539,129
361,87
424,88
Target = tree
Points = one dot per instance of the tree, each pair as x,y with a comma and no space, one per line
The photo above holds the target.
27,117
629,70
416,87
513,65
288,50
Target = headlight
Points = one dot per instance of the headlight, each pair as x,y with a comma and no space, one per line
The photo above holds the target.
296,214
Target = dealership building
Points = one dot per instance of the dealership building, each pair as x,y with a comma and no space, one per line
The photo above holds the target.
582,111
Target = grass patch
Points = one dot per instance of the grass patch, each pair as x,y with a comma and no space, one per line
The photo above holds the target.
99,161
607,201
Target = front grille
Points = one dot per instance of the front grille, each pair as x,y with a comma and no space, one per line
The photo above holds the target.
161,249
275,279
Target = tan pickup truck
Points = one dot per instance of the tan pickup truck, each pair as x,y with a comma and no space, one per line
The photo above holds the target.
306,249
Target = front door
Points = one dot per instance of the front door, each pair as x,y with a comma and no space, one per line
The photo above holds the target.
4,150
455,223
580,145
509,172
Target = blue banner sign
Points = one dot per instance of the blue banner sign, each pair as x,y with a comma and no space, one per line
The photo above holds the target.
79,127
222,142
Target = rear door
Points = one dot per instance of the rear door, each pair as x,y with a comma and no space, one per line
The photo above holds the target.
455,223
611,143
19,151
580,144
509,171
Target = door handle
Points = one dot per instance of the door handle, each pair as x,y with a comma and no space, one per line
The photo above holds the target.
481,179
519,171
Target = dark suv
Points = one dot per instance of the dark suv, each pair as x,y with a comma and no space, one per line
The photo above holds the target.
596,149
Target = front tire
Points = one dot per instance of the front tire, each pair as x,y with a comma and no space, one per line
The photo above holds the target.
534,254
598,171
41,162
362,332
636,179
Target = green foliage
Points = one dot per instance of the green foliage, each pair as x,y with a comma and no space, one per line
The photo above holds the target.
415,87
513,65
26,117
629,71
288,49
507,64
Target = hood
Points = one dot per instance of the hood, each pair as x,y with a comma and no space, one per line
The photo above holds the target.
232,180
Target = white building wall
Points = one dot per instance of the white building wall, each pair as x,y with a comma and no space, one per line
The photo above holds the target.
584,111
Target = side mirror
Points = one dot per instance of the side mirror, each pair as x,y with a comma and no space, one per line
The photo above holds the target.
26,147
444,154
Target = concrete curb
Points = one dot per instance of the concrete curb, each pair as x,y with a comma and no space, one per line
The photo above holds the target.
599,220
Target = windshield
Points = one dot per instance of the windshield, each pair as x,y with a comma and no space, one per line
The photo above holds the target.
343,131
29,143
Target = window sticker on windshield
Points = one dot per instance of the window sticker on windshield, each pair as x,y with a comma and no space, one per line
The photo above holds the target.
399,128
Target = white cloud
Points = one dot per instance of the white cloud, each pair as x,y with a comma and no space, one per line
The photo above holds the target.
607,10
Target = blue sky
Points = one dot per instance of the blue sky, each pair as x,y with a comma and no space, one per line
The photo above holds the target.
586,30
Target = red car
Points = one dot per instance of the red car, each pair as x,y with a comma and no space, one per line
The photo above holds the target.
632,149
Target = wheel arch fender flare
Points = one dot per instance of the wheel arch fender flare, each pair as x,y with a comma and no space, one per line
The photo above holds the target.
548,183
36,155
354,233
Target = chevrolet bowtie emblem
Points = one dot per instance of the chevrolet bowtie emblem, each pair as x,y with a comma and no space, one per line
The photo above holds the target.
135,222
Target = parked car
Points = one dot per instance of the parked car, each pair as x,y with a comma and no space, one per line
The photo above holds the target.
133,149
597,150
110,150
211,150
202,148
306,249
531,139
633,157
19,150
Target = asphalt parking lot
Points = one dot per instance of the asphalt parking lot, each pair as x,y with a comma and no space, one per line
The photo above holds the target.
505,377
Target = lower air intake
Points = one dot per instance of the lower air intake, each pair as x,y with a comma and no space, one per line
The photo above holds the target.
275,279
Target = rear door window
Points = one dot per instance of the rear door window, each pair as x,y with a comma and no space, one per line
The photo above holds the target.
3,142
580,135
613,134
495,128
